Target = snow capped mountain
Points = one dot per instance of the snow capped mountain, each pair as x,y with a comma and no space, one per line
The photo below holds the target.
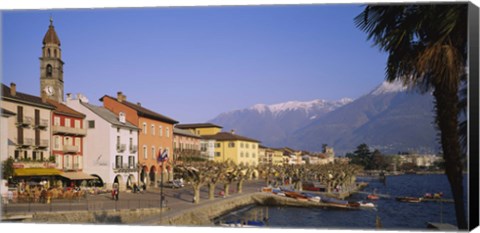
389,87
273,123
307,106
389,118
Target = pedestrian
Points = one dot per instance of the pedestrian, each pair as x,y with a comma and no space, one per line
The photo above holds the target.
113,194
116,194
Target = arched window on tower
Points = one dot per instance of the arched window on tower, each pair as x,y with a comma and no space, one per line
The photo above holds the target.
49,70
48,52
55,53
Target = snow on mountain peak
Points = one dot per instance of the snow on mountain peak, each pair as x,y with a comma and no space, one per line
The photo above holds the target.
306,106
389,87
261,108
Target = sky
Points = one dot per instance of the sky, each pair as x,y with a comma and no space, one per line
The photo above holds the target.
193,63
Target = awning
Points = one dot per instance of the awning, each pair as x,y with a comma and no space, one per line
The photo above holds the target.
78,176
36,172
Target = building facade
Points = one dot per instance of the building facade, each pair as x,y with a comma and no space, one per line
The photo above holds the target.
236,148
207,145
155,136
111,145
68,131
185,144
28,133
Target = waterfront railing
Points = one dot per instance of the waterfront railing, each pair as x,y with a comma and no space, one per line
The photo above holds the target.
77,205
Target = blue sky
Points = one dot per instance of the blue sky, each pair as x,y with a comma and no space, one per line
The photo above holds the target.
193,63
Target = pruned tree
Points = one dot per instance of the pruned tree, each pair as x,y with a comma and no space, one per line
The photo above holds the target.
216,173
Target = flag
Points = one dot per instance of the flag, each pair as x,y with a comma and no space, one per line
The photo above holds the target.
162,156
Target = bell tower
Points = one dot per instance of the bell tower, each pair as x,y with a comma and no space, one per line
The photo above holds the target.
51,66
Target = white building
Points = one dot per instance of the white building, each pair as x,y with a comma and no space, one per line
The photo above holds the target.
4,145
207,148
111,144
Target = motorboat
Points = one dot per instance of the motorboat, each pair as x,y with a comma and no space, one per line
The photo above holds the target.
409,199
366,204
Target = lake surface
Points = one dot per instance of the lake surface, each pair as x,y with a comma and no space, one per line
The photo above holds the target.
393,214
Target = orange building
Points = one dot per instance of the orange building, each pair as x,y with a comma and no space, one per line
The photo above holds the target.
155,136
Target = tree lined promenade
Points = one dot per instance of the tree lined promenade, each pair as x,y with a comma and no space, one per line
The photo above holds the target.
207,183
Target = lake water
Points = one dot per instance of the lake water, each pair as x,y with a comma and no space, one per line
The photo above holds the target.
393,214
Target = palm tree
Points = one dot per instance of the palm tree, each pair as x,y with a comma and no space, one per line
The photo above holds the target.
427,48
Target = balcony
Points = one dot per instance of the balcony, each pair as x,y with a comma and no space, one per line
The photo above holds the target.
42,124
124,168
121,147
24,142
69,149
24,121
133,148
33,164
63,130
43,144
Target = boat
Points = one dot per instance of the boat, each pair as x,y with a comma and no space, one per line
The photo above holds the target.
296,195
365,204
409,199
353,204
312,197
238,223
373,197
278,192
334,202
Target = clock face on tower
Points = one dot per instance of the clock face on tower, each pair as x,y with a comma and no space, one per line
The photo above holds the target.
49,90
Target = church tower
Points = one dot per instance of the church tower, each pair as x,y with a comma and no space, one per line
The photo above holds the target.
51,66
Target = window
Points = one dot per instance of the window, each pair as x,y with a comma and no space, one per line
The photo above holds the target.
153,129
130,131
217,145
253,146
247,155
56,142
253,155
241,154
130,140
56,121
77,143
34,155
241,145
144,128
67,122
118,142
131,162
49,68
118,129
160,131
67,161
118,161
167,132
17,154
217,154
145,153
153,152
231,144
91,124
247,145
77,124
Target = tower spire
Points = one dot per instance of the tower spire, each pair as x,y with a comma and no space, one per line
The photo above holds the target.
51,20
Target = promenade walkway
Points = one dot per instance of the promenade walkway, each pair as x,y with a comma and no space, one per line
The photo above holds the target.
178,201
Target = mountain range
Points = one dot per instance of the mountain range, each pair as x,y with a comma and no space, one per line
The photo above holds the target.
389,118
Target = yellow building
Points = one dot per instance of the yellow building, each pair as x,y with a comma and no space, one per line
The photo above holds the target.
277,158
201,129
237,148
270,156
